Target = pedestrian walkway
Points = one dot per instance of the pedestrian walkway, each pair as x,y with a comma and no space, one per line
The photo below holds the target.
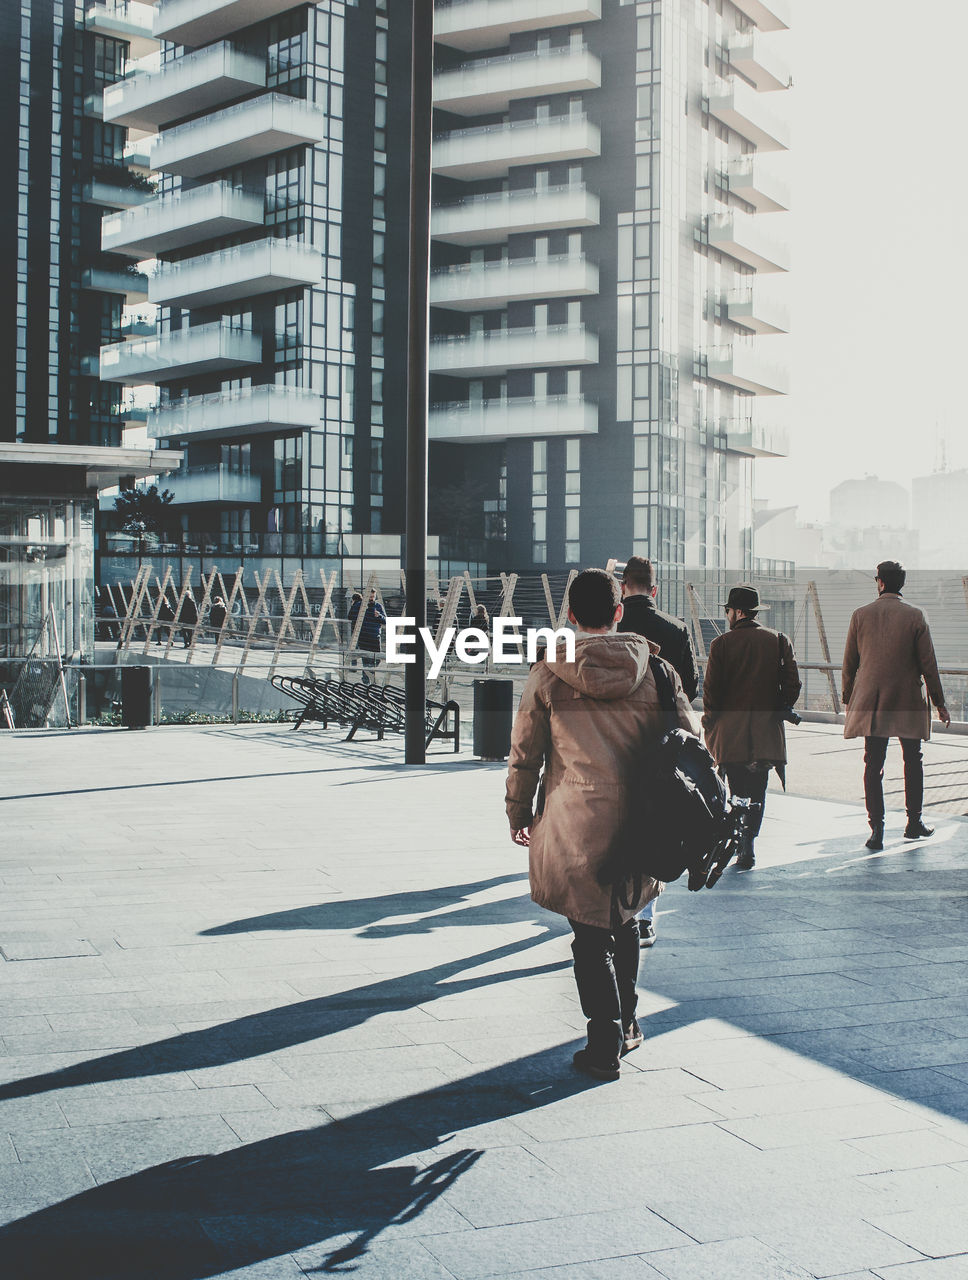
276,1006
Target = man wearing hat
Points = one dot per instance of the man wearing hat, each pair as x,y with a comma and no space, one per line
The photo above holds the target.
888,659
751,678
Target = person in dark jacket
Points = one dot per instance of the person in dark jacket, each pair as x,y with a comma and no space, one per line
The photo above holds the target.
640,615
217,615
188,617
374,618
751,677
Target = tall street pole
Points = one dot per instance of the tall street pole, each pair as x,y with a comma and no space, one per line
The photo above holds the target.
415,555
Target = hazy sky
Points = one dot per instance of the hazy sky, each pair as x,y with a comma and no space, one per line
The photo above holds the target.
880,241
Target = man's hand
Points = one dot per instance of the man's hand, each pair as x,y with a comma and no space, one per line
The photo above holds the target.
522,837
943,716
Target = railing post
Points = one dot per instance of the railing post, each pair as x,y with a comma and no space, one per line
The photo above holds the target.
235,698
81,698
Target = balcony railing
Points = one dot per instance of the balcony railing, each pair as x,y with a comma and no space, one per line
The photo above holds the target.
742,110
198,22
518,418
131,285
493,217
753,180
741,237
181,218
757,441
245,411
196,82
490,84
489,24
495,349
181,352
124,20
750,54
489,151
216,483
473,285
769,15
758,311
740,366
243,271
235,135
114,195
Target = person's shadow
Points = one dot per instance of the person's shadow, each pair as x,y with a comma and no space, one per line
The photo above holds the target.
202,1214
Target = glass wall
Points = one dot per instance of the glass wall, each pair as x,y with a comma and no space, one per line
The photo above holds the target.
46,576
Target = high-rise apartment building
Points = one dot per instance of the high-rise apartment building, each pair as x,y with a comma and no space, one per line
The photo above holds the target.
281,162
60,297
606,226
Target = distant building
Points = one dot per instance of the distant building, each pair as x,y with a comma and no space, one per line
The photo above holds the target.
778,536
941,518
870,503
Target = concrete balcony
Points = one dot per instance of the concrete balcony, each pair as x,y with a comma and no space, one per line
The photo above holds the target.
769,15
110,195
742,368
131,285
137,156
213,279
742,110
216,483
181,353
756,441
196,22
197,82
477,285
491,420
753,56
491,218
479,354
488,24
488,152
752,179
490,84
124,20
741,237
182,218
756,310
237,134
247,411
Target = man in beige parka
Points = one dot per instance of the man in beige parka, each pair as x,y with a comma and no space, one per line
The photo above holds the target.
888,658
587,724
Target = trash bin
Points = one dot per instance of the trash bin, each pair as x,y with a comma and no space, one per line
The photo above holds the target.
493,713
135,697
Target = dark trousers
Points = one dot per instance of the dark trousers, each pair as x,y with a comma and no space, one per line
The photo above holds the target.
875,753
751,783
606,967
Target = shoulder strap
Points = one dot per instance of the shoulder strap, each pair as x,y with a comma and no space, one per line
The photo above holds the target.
667,697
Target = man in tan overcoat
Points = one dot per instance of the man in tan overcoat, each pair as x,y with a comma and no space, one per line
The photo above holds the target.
751,677
887,656
588,725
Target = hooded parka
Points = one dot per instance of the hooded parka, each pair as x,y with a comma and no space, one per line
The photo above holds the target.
588,723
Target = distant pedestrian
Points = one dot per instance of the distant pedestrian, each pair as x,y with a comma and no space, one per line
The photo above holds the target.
217,615
639,590
480,620
374,619
188,618
166,616
751,681
888,658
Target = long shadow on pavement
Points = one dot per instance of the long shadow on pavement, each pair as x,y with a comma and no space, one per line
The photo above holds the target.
204,1214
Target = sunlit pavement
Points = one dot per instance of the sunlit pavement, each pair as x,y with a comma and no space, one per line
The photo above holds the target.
274,1005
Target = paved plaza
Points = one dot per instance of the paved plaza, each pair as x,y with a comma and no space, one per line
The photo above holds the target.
276,1006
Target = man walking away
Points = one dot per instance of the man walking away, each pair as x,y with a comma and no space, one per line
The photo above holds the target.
374,618
588,723
751,679
888,654
639,589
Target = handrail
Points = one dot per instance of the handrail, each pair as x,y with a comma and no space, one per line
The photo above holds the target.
468,406
566,51
236,393
529,194
507,126
234,254
492,335
498,264
271,99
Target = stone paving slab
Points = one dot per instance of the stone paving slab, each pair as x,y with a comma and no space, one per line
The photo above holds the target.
274,1005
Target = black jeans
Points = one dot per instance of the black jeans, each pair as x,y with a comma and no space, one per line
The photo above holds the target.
875,753
606,967
751,783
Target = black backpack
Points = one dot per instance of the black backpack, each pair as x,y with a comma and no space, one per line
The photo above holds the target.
682,820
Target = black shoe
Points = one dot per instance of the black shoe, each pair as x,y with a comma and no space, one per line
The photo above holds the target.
746,860
646,933
633,1037
876,840
597,1070
916,829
